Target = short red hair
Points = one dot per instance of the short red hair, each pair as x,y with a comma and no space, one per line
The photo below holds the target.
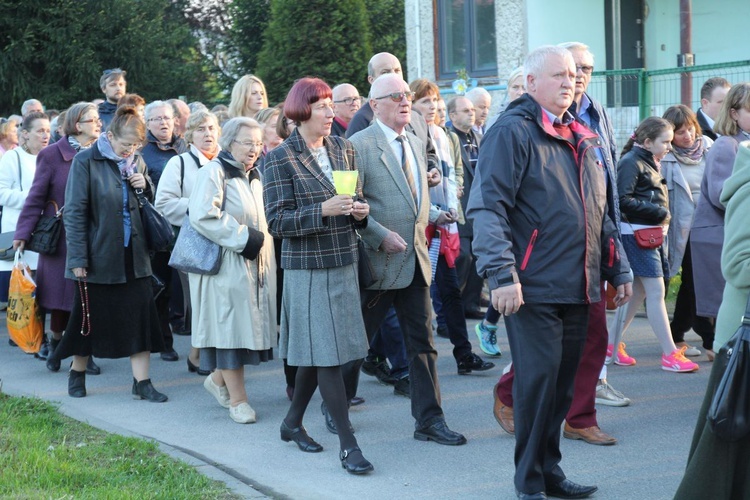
304,92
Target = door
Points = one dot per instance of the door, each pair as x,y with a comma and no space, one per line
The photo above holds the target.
625,50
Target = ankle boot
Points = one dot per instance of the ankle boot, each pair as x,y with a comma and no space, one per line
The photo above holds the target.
145,390
53,362
92,368
76,384
44,350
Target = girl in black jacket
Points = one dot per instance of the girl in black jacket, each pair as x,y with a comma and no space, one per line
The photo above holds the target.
644,204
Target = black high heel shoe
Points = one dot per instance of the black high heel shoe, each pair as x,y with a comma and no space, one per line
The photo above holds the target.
300,437
362,467
196,369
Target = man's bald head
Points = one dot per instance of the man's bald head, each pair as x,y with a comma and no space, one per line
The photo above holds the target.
346,101
381,64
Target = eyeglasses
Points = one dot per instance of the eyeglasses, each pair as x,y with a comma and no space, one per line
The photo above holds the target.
93,120
250,144
161,119
586,70
397,96
350,100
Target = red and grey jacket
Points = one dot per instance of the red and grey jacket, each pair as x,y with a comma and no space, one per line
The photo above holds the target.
539,207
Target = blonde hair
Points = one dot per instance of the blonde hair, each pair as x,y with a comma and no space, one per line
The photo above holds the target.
737,98
240,92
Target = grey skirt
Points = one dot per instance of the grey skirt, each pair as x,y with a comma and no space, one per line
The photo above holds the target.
321,317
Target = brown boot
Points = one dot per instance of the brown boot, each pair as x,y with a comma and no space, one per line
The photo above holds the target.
503,414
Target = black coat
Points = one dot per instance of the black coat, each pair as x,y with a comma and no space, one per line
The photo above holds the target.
94,222
644,198
705,127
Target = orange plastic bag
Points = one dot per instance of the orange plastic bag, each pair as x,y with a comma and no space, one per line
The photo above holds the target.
24,315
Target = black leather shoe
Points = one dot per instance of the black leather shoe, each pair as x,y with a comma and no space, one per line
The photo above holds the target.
44,349
170,355
196,369
300,437
330,425
379,369
402,387
472,362
11,343
568,489
145,390
76,384
53,362
440,433
181,330
356,401
92,368
361,467
531,496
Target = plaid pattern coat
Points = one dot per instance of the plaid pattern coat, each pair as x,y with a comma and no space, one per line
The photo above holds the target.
294,189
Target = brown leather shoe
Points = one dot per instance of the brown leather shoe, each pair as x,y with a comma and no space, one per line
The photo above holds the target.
503,414
591,435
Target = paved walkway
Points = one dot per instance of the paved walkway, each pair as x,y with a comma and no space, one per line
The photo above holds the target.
647,463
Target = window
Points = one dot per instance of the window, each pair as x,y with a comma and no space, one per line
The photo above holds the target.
466,33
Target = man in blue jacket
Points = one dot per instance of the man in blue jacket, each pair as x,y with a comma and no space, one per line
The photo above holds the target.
540,197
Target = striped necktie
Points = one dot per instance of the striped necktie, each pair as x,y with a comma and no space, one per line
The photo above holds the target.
406,167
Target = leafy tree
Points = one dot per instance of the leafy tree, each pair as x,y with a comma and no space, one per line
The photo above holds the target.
249,22
56,50
388,27
324,38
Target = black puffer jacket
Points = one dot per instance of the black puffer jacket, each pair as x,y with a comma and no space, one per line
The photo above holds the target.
539,207
644,198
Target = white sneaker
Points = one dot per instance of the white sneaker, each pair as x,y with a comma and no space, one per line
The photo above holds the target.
609,396
243,413
220,393
691,351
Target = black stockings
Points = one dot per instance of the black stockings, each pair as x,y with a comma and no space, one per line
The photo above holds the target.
331,384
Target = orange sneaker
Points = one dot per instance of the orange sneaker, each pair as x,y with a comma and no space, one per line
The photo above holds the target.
621,358
677,362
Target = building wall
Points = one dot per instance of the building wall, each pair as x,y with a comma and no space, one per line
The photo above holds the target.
420,40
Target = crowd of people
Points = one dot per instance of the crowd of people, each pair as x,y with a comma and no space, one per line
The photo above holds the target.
412,204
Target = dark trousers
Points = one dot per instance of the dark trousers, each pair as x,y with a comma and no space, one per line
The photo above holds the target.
582,413
412,306
685,316
160,267
469,281
389,342
547,342
452,308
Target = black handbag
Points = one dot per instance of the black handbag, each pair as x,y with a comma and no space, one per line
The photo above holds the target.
159,232
367,276
729,413
46,233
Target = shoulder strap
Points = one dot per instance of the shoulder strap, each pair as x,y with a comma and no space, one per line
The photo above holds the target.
182,176
20,173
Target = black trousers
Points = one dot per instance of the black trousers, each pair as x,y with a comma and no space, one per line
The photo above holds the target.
547,342
412,306
160,267
470,282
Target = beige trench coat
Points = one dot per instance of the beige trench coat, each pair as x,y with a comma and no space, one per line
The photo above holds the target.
236,308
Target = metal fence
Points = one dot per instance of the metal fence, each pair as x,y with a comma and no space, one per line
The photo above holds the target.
630,95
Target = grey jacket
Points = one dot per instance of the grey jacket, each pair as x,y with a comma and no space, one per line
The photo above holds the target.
392,208
93,220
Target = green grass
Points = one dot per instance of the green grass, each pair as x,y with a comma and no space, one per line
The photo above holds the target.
44,454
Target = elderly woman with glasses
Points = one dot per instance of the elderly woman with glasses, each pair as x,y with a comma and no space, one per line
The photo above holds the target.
234,311
114,315
317,224
81,128
162,144
175,188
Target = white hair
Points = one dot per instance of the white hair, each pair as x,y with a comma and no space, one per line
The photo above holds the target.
477,92
27,104
537,58
150,107
571,46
